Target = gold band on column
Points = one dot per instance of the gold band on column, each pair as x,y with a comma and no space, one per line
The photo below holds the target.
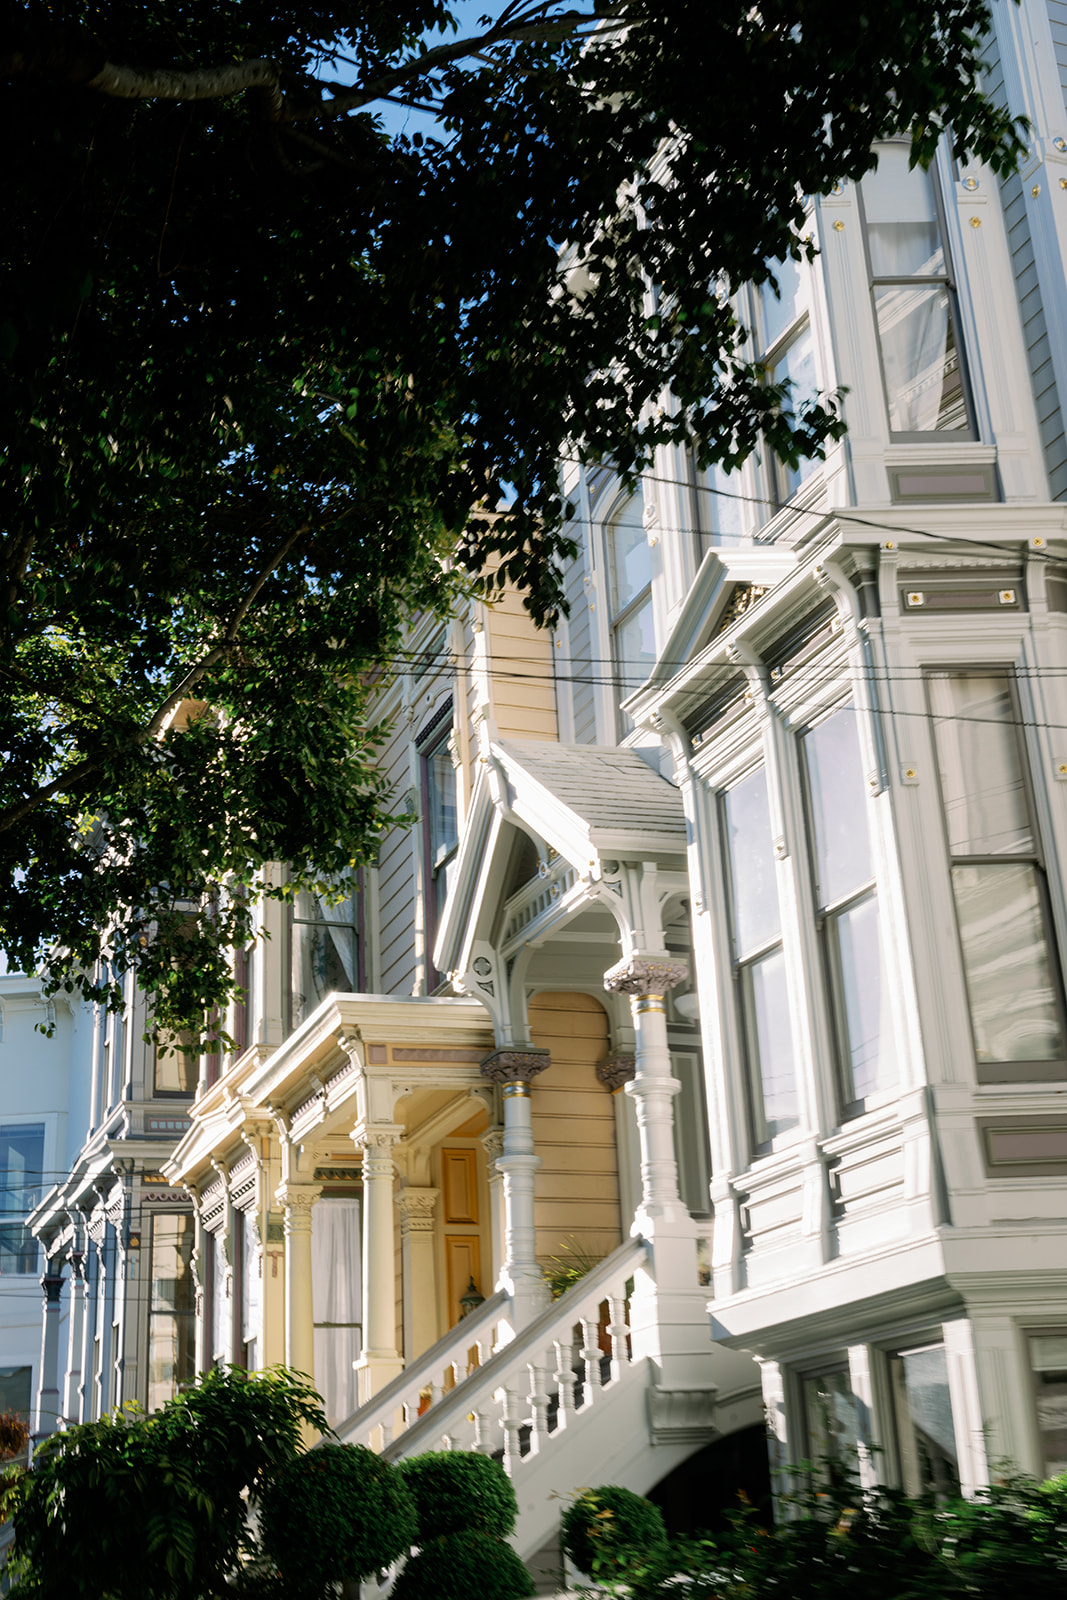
643,1003
516,1090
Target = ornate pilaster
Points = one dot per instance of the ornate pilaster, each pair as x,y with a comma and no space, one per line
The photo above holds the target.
648,977
47,1415
418,1264
296,1200
416,1207
75,1334
380,1360
515,1066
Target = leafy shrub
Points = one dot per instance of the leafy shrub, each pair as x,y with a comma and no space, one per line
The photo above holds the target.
338,1512
464,1566
457,1490
606,1530
155,1508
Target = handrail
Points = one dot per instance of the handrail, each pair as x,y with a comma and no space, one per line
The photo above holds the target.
421,1371
565,1310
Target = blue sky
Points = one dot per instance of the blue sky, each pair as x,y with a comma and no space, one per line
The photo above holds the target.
398,119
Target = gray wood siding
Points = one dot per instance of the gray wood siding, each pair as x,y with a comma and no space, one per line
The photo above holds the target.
1027,287
396,877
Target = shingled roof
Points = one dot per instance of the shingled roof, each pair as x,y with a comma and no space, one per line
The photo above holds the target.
612,791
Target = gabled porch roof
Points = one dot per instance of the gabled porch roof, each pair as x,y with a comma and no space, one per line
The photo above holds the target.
590,804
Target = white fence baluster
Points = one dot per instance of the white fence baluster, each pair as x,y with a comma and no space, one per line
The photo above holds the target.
510,1418
617,1331
538,1398
564,1376
591,1356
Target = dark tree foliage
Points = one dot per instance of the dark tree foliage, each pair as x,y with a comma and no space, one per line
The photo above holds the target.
268,376
458,1490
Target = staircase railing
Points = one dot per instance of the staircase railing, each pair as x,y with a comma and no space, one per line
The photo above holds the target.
509,1402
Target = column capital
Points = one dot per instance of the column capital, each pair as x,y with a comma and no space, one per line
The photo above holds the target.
616,1069
297,1197
416,1207
645,975
515,1065
378,1138
493,1145
52,1284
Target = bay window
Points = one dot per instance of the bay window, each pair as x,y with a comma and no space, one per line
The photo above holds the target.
998,879
322,953
787,351
759,964
847,907
914,301
171,1307
633,638
440,825
21,1172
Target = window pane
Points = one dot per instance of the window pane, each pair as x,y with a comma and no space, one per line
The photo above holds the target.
322,956
833,1424
781,309
864,996
752,872
1009,977
902,229
798,365
15,1396
441,781
18,1249
1048,1357
838,801
771,1046
980,761
21,1163
177,1067
635,648
922,371
629,554
171,1323
722,507
220,1301
925,1432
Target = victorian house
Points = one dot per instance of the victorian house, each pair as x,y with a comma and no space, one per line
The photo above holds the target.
718,981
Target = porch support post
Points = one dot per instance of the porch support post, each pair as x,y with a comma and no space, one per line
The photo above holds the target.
297,1199
416,1207
47,1415
520,1275
75,1336
668,1316
380,1361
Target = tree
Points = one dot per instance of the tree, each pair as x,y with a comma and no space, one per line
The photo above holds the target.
275,380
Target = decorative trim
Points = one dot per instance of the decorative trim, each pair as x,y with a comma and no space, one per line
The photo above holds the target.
515,1066
416,1207
645,975
430,728
682,1416
615,1070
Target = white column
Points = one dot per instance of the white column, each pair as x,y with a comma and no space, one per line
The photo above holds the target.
520,1274
416,1207
493,1145
966,1404
75,1339
668,1317
380,1361
47,1415
297,1200
90,1275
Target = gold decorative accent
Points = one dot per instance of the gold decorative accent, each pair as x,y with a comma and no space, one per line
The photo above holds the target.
976,222
915,597
909,772
647,1002
517,1090
1036,190
1006,597
971,184
744,597
839,226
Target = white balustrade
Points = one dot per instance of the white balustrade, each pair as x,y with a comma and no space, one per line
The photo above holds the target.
484,1388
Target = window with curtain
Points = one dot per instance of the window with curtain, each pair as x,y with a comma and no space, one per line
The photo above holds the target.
998,879
221,1319
171,1308
322,952
177,1064
848,908
21,1176
914,301
759,964
251,1289
337,1301
787,351
633,636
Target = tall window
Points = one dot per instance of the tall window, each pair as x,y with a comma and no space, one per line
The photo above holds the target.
171,1308
720,507
1048,1359
177,1064
251,1289
998,880
831,1418
21,1171
759,965
847,907
322,953
914,303
440,828
922,1411
633,637
787,350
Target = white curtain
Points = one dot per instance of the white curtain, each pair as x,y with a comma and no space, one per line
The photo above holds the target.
337,1302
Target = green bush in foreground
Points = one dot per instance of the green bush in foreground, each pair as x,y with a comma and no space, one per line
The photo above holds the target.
339,1512
613,1534
456,1491
464,1566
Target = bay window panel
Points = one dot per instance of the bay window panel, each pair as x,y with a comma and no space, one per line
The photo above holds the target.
1014,1005
635,647
831,1415
838,802
444,824
869,1041
631,558
770,1045
798,365
924,387
171,1308
757,920
779,311
982,783
901,212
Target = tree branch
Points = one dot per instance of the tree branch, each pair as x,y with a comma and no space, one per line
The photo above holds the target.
84,769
